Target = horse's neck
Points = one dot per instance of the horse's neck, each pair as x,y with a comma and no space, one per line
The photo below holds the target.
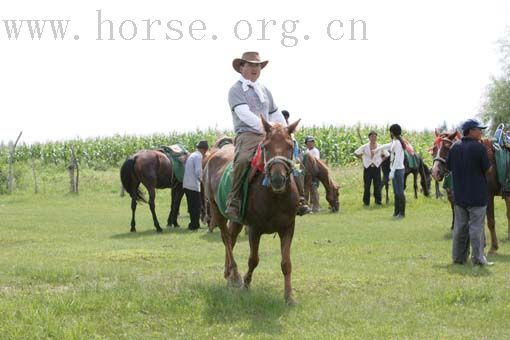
324,178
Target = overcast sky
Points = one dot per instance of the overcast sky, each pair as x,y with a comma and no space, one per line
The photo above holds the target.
421,63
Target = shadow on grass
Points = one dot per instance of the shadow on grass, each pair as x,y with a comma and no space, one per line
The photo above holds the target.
215,236
448,235
463,270
256,311
153,232
499,258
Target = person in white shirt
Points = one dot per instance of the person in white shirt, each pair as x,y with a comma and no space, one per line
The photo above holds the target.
397,169
191,183
372,160
314,190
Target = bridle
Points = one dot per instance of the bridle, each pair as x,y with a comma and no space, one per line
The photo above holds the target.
440,155
287,163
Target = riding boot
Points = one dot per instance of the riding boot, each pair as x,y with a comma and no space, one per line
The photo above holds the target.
303,207
402,212
396,206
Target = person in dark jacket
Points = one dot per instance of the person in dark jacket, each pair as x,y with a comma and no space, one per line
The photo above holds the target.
468,162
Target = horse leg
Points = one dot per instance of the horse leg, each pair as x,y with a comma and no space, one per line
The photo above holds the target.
177,194
415,185
285,242
387,186
133,209
438,190
152,205
491,224
234,229
253,260
231,273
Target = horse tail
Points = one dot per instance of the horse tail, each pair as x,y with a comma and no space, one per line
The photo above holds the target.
128,178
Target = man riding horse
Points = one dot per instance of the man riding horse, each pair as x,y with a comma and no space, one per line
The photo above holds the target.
249,101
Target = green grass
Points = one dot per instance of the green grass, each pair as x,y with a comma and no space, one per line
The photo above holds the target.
70,269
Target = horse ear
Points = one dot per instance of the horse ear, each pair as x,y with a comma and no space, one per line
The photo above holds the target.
292,127
436,132
453,135
267,126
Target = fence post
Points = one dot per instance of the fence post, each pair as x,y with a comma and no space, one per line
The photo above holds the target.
10,174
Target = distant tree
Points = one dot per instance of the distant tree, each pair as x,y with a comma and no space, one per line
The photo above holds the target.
496,105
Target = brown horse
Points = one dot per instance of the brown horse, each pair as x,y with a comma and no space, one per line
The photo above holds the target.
494,188
316,168
434,152
269,209
154,170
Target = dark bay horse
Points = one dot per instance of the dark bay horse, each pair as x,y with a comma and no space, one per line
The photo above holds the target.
439,170
269,209
154,170
422,170
316,168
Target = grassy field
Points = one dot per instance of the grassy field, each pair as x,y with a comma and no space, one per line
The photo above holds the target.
70,269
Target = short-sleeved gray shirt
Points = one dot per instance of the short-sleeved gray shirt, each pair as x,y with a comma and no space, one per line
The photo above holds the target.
237,96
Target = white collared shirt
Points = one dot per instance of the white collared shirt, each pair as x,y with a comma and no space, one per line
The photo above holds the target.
366,155
397,154
314,152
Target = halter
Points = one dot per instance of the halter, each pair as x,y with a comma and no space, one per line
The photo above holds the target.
286,162
438,155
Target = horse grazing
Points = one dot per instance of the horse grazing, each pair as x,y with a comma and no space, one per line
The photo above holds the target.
439,170
316,168
154,170
422,170
269,209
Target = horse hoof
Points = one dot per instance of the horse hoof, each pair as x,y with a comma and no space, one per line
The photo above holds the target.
235,282
493,251
290,300
133,230
159,230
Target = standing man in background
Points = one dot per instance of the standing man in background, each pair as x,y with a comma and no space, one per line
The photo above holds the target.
372,160
191,183
314,189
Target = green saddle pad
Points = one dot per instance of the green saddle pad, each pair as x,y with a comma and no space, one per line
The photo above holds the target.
502,165
412,162
177,154
448,182
225,187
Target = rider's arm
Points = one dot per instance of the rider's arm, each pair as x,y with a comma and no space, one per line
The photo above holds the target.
249,118
277,117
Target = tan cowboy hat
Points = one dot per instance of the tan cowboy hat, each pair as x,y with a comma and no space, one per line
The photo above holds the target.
250,57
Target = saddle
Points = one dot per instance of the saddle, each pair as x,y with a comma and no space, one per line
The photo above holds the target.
257,166
178,155
501,144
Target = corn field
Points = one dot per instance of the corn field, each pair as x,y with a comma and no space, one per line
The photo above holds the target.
336,145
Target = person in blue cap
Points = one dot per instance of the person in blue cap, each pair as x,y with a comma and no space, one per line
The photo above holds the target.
468,162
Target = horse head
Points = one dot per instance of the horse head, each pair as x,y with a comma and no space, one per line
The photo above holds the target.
278,151
440,151
332,196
